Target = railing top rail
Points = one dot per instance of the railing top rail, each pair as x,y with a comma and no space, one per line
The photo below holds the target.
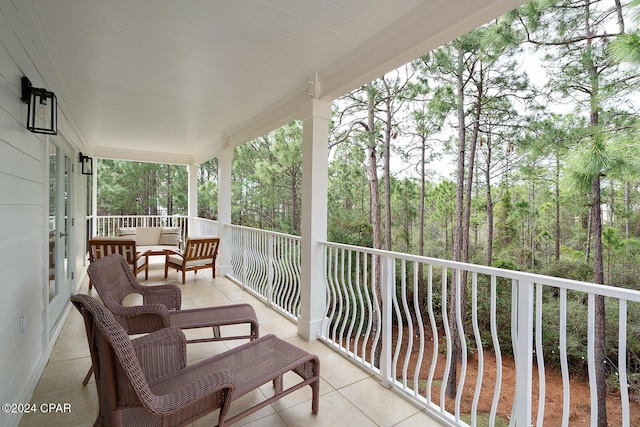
142,216
268,232
576,285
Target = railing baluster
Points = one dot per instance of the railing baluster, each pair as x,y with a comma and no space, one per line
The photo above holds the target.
434,333
421,333
270,261
386,291
480,349
366,281
524,359
540,356
564,365
344,297
361,305
409,317
338,301
622,362
463,342
377,309
447,335
591,355
514,340
245,249
351,310
398,317
331,307
498,352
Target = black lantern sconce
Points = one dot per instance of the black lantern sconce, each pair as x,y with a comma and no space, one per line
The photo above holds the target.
87,164
42,116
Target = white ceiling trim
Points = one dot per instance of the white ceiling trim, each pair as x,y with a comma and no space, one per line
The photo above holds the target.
144,156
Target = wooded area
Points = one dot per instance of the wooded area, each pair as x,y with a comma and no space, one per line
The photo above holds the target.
545,169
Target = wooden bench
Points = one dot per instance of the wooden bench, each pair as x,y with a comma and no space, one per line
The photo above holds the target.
155,240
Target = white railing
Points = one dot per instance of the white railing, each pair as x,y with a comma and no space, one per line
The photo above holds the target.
375,315
108,224
268,265
204,227
389,313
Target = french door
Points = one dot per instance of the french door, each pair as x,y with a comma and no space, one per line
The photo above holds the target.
60,228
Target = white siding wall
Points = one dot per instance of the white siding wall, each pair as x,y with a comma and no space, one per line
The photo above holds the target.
23,221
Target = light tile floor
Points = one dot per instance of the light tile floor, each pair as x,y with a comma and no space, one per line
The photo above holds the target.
349,396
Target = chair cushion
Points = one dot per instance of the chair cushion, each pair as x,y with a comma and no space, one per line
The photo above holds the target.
141,262
197,262
177,259
169,236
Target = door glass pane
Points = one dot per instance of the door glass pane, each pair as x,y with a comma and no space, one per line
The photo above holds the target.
64,241
53,202
89,203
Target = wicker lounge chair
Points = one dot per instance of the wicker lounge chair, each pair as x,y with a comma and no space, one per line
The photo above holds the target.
113,280
199,253
145,381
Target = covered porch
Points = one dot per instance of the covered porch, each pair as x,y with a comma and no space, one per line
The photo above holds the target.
140,82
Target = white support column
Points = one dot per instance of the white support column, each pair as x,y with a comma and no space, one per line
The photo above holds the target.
192,212
315,115
94,198
224,208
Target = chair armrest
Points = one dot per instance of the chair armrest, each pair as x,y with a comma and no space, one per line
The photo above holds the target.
161,353
168,295
214,389
141,319
143,253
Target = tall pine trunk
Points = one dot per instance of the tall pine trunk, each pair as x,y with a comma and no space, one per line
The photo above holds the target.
423,179
557,230
293,187
458,231
372,169
600,323
387,172
374,200
596,219
487,178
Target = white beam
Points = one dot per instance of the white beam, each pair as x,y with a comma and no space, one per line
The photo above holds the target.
192,209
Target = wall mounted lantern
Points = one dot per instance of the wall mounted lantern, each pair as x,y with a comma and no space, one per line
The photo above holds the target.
87,164
42,116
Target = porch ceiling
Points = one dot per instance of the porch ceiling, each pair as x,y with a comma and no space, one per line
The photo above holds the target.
176,81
